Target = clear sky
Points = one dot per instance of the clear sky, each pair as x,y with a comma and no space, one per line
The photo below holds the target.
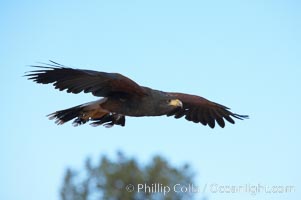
243,54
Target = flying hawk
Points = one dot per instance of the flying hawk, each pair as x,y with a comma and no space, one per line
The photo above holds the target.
124,97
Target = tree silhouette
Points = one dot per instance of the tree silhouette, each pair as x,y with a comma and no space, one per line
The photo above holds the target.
125,179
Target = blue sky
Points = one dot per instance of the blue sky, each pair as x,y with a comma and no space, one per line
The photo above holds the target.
243,54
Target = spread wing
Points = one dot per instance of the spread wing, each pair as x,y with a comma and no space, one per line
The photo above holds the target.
201,110
100,84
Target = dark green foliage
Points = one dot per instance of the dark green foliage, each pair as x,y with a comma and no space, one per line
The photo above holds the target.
109,180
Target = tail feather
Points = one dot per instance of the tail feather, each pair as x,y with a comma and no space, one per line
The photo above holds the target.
66,115
81,115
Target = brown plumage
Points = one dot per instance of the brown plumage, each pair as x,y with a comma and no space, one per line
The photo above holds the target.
124,97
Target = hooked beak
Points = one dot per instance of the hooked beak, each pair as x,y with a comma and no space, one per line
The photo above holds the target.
176,103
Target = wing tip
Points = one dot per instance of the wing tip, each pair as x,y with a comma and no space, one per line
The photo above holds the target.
241,117
51,65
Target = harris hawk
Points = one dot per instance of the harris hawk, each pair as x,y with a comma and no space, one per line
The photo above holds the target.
122,97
